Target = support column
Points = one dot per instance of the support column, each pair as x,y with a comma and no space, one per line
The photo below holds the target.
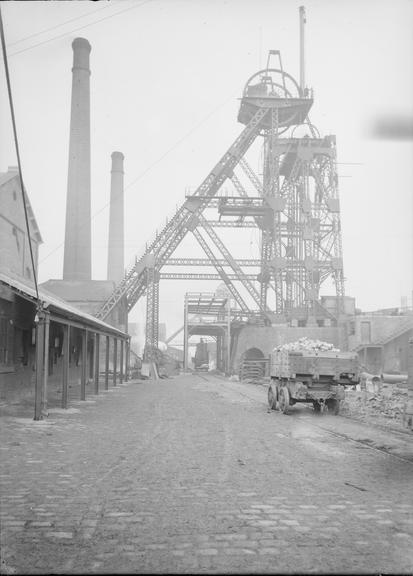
83,374
40,330
228,363
186,335
107,363
121,361
66,357
115,359
127,368
220,366
46,363
97,352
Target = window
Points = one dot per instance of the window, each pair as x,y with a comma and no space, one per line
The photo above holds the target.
5,341
14,195
28,272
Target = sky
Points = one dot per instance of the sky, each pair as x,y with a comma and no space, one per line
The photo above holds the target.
166,80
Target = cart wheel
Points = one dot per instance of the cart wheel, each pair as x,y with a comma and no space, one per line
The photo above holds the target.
333,406
317,406
284,400
272,397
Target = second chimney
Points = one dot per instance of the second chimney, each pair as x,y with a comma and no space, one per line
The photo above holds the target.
116,234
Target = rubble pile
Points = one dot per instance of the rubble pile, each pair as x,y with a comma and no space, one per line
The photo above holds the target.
384,406
308,345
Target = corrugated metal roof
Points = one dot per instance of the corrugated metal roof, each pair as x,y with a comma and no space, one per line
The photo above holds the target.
56,304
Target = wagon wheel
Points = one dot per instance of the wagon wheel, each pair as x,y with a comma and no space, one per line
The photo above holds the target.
272,397
316,406
333,406
284,400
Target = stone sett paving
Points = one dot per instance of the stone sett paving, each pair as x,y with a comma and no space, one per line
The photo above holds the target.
188,475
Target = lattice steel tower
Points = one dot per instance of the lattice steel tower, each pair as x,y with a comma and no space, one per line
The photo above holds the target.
292,201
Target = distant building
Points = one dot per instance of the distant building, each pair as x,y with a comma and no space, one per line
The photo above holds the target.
381,339
15,256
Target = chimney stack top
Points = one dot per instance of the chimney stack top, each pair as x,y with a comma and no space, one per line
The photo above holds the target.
117,161
81,43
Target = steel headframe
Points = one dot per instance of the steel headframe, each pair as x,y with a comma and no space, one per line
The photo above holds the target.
296,211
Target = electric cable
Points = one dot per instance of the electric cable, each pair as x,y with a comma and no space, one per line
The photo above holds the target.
16,142
133,7
151,166
56,26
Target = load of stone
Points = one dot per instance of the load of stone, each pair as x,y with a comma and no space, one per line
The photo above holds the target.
308,345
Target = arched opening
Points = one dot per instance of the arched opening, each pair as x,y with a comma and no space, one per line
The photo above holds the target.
253,354
252,364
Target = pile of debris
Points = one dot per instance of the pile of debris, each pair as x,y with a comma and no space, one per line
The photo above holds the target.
308,345
386,406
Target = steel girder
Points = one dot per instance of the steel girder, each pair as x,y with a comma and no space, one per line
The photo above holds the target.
165,243
222,274
206,262
203,276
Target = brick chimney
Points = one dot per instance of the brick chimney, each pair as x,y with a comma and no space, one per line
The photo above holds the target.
77,263
116,224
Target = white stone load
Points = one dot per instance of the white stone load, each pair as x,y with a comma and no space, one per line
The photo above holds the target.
308,345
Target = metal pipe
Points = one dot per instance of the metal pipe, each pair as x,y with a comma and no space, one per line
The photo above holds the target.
302,48
394,378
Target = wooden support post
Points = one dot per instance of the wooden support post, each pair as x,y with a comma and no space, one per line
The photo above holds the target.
66,357
121,361
127,368
115,359
107,363
186,335
46,363
228,362
97,353
84,366
39,366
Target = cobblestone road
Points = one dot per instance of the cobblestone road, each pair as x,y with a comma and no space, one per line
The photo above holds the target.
194,475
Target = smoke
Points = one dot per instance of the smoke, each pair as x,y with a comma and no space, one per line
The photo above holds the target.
392,128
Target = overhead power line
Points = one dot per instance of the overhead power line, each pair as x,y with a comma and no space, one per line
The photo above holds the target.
57,26
133,7
16,142
155,163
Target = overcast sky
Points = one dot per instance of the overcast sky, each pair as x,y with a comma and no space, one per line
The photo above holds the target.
166,78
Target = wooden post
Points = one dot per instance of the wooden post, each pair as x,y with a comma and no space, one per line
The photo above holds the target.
228,362
107,363
97,352
115,359
127,368
186,335
66,356
121,361
84,366
39,365
46,363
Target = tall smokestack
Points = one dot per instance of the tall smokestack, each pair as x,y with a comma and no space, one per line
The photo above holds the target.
116,239
77,263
